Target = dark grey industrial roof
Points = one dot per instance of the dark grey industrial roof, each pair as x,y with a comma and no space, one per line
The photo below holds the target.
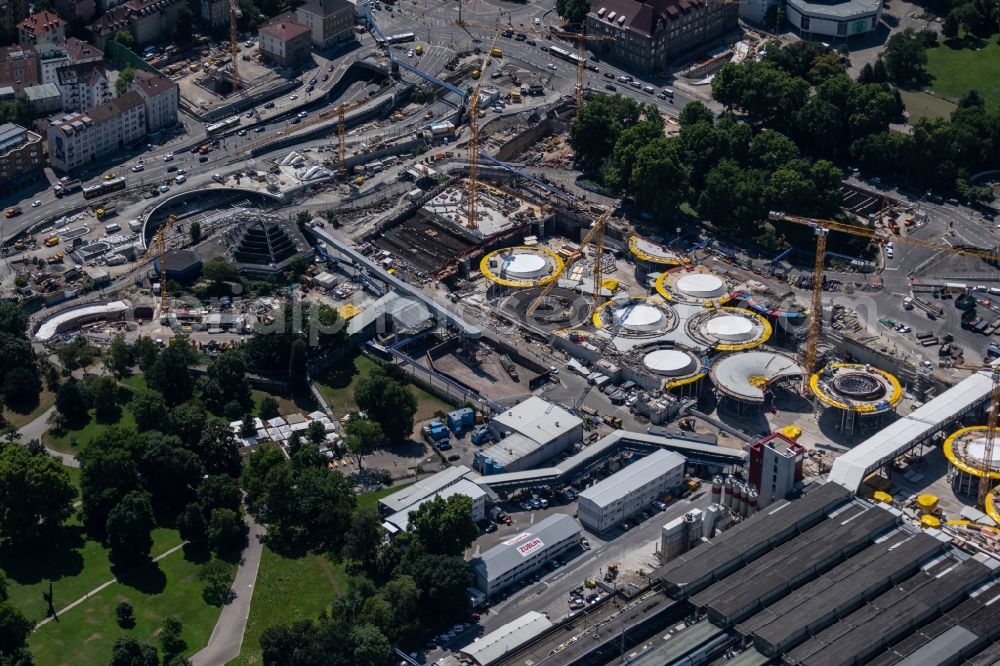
869,630
988,657
840,591
679,645
794,563
692,572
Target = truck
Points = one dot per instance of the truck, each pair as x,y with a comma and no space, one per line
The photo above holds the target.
14,211
536,89
965,302
67,187
508,366
613,421
442,130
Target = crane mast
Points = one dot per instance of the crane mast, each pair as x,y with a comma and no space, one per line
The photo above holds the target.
234,46
471,221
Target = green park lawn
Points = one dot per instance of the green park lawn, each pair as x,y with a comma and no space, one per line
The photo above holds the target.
287,590
170,587
924,105
71,440
957,70
337,386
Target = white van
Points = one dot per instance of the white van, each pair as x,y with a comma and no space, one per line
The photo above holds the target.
112,228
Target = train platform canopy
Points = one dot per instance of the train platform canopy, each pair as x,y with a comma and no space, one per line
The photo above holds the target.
495,645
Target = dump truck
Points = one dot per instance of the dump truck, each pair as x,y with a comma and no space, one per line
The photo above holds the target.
508,366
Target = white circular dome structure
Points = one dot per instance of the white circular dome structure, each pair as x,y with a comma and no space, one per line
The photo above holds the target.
641,318
730,328
701,285
524,266
669,362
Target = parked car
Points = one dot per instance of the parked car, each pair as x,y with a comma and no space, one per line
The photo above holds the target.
551,66
611,87
454,457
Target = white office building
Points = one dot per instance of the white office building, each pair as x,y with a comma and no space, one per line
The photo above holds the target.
530,433
627,492
837,20
524,553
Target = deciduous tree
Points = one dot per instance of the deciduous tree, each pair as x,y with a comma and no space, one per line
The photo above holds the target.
129,529
36,495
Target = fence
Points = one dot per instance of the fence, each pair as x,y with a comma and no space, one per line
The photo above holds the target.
122,55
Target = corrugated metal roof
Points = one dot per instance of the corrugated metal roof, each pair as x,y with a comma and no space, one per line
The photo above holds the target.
497,644
424,488
401,518
506,556
631,477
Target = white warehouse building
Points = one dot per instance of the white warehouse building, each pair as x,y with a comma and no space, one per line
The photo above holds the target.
422,489
524,553
837,20
527,435
625,493
399,521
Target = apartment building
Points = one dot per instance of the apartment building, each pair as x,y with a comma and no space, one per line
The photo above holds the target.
41,28
285,42
161,97
648,35
77,139
21,157
83,86
331,21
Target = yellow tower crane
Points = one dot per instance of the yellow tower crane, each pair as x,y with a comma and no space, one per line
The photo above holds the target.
234,46
822,229
157,249
594,234
471,221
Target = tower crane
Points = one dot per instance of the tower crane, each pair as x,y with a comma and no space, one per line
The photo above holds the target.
594,234
580,38
471,221
822,229
234,46
157,249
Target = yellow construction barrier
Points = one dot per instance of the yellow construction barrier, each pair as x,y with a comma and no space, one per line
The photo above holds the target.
484,267
949,452
347,311
708,304
792,432
930,521
895,389
633,246
743,346
883,497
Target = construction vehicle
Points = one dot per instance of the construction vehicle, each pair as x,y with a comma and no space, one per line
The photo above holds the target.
51,241
508,366
13,212
55,258
613,421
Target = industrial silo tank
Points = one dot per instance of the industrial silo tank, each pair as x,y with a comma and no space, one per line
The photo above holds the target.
717,490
